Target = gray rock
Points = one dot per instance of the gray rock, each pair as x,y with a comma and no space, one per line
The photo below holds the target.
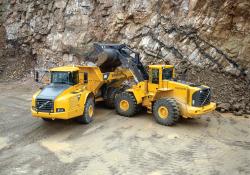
238,106
223,107
238,113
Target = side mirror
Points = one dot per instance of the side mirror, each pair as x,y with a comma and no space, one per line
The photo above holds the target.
41,76
36,76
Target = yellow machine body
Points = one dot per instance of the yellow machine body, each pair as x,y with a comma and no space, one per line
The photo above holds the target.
149,91
71,101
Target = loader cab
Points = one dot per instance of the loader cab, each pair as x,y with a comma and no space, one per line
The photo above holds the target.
158,74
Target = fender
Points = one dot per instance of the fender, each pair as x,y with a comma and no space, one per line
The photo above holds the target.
84,95
137,94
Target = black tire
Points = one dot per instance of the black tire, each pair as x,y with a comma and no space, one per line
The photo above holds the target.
173,111
132,105
110,101
47,119
87,117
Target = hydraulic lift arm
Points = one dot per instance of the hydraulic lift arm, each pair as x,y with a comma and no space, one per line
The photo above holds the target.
111,56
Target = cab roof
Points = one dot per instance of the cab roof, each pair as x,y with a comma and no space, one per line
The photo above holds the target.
160,66
69,68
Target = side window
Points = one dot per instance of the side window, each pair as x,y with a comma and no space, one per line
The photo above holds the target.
167,73
85,77
73,78
155,76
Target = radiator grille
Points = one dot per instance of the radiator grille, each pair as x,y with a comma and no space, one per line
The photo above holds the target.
201,97
44,105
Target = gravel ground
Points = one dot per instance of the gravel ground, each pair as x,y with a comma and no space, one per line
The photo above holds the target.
212,144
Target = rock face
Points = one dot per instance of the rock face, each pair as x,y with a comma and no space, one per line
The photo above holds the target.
207,40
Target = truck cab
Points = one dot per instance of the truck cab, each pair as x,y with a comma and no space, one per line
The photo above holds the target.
61,98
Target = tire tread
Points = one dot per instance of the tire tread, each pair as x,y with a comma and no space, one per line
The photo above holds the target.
132,103
174,111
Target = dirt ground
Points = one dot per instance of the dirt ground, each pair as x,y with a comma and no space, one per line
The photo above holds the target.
112,144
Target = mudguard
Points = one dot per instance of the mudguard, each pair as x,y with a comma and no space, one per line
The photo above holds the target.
84,96
137,94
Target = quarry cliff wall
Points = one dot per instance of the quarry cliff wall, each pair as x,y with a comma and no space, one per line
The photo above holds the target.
207,40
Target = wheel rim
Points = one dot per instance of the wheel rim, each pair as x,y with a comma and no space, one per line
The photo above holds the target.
91,111
163,112
124,105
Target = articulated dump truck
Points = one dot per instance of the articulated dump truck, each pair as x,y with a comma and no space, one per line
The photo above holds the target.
73,91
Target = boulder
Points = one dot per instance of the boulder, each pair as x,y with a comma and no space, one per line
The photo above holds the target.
223,107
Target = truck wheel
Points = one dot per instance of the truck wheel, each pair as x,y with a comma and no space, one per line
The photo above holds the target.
109,102
166,111
125,104
88,113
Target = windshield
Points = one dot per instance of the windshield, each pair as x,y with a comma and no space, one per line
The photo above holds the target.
167,73
70,78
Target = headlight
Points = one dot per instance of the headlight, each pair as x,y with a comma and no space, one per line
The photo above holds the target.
33,108
60,109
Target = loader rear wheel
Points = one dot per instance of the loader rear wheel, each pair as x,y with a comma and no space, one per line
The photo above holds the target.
166,111
125,104
88,113
110,101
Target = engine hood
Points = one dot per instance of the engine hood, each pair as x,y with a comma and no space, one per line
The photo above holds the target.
52,91
188,83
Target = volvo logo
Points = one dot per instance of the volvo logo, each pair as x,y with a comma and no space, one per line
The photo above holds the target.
42,105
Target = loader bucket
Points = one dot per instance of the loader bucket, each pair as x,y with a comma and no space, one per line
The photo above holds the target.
105,58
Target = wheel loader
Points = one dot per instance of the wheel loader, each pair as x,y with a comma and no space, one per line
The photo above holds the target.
157,89
73,91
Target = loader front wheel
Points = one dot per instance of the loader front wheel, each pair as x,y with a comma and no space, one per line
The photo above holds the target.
125,104
88,113
166,111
